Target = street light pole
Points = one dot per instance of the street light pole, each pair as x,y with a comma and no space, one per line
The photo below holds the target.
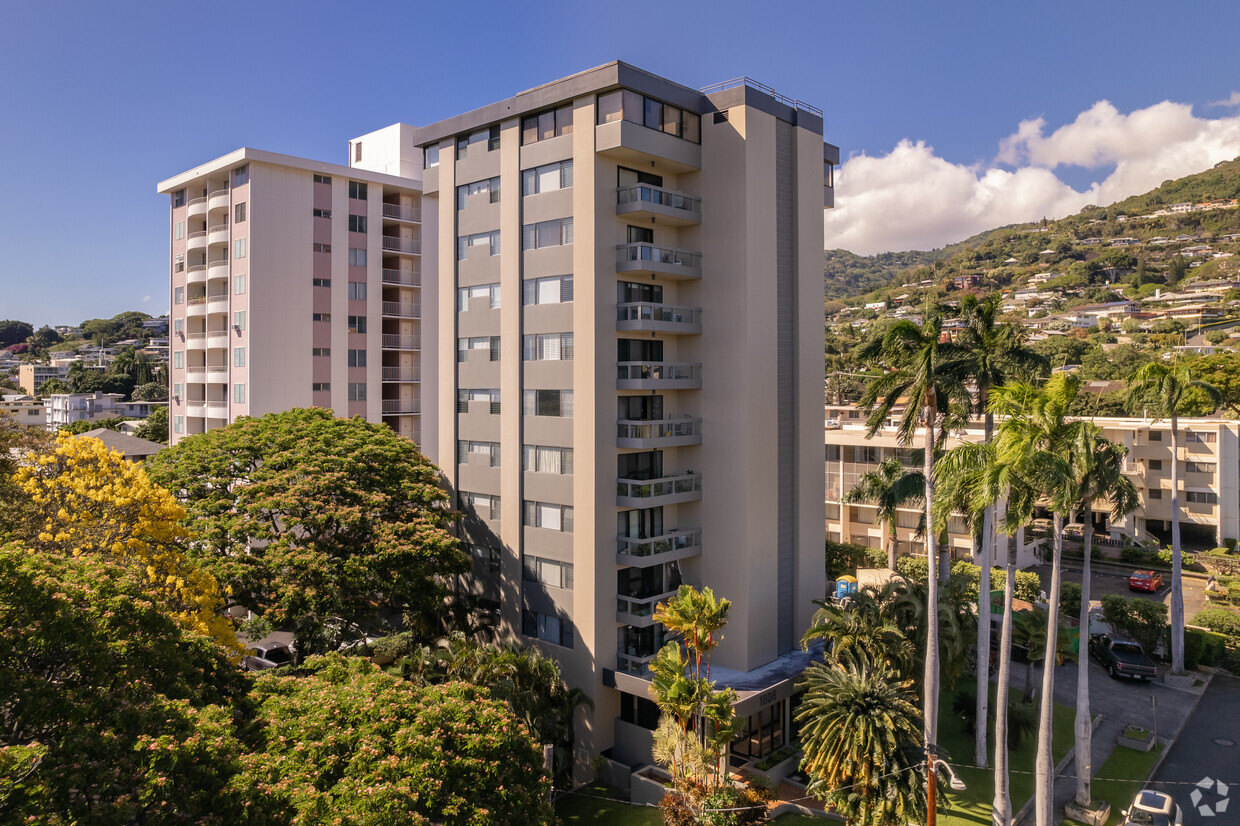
931,807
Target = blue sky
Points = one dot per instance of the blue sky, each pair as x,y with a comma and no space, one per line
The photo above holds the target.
100,101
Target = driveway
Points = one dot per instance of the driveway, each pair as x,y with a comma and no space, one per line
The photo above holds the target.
1208,748
1110,581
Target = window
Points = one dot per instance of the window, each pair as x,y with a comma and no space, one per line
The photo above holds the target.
357,190
322,213
178,424
629,177
1195,437
357,152
241,175
239,248
178,326
551,233
547,515
1155,435
178,359
357,358
464,448
547,403
321,247
1199,467
357,324
486,558
322,179
488,343
180,263
357,257
482,505
489,395
635,349
320,316
640,235
430,157
178,198
865,454
321,282
1201,497
557,289
547,571
357,223
357,290
238,357
629,292
1155,464
321,387
239,320
239,213
548,347
465,243
238,394
542,459
239,284
627,105
488,136
549,124
489,186
178,230
547,178
1156,493
548,628
480,291
178,295
357,391
320,352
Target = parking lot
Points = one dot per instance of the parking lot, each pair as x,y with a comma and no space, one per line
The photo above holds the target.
1110,580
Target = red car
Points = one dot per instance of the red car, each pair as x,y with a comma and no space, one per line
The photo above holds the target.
1144,581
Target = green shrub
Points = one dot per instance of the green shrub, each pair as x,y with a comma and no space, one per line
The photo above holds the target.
1219,620
913,568
1218,552
1231,661
1028,586
1215,648
1194,646
1070,599
1164,557
846,557
1141,619
1133,554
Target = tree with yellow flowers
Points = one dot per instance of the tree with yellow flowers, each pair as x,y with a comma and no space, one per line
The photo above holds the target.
80,498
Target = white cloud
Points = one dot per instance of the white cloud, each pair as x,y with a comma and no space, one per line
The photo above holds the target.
1234,100
146,299
913,199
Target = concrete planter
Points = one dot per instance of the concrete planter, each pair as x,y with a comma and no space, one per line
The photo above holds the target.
1179,680
780,770
1090,817
647,785
1141,739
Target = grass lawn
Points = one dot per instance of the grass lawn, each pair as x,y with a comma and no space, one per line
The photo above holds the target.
973,806
1123,762
596,804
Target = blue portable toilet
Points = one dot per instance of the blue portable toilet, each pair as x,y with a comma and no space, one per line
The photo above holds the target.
845,586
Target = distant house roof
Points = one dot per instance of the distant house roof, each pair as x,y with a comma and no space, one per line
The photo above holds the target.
131,447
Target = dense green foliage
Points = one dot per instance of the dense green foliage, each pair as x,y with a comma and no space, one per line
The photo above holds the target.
1144,620
14,332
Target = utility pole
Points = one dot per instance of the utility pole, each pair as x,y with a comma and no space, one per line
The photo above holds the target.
931,807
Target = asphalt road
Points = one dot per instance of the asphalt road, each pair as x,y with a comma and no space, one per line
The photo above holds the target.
1102,582
1207,749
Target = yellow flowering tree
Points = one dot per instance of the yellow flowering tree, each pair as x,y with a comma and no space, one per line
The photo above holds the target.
82,498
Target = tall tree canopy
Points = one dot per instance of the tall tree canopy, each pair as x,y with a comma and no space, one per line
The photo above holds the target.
316,522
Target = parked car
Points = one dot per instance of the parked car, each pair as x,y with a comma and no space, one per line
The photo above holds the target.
1151,808
1145,581
263,655
1073,530
1122,658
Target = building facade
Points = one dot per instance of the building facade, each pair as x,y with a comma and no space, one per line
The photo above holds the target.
293,283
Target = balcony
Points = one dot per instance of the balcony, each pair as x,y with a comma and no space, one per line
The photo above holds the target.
217,303
195,307
196,409
396,212
392,341
196,207
196,371
641,375
674,545
217,268
196,274
217,409
648,259
217,338
401,374
635,145
633,663
218,199
195,341
217,234
402,278
401,407
217,374
640,611
663,206
395,309
196,240
404,246
666,490
659,318
659,433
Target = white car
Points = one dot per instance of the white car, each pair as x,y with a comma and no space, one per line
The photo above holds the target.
265,654
1151,808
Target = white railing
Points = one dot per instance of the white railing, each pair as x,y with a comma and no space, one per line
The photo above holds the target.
645,193
399,310
196,336
657,371
688,316
662,429
663,486
628,253
402,277
393,244
196,268
401,213
401,374
218,192
399,342
197,202
401,406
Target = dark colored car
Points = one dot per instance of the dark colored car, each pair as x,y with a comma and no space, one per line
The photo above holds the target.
264,655
1122,658
1145,581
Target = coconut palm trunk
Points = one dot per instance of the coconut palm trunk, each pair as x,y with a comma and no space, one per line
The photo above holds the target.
931,677
1001,809
1084,726
980,757
1177,583
1043,766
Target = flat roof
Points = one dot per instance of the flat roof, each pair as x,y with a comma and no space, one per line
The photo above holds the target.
246,154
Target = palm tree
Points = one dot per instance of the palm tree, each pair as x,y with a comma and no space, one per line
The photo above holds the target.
1029,632
859,732
1099,465
912,356
1166,386
993,354
856,636
890,487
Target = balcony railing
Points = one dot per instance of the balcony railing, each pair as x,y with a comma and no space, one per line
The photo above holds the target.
401,213
648,258
196,368
399,310
398,407
393,341
201,299
196,206
673,207
402,278
641,375
394,244
639,611
666,490
658,317
401,374
660,433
